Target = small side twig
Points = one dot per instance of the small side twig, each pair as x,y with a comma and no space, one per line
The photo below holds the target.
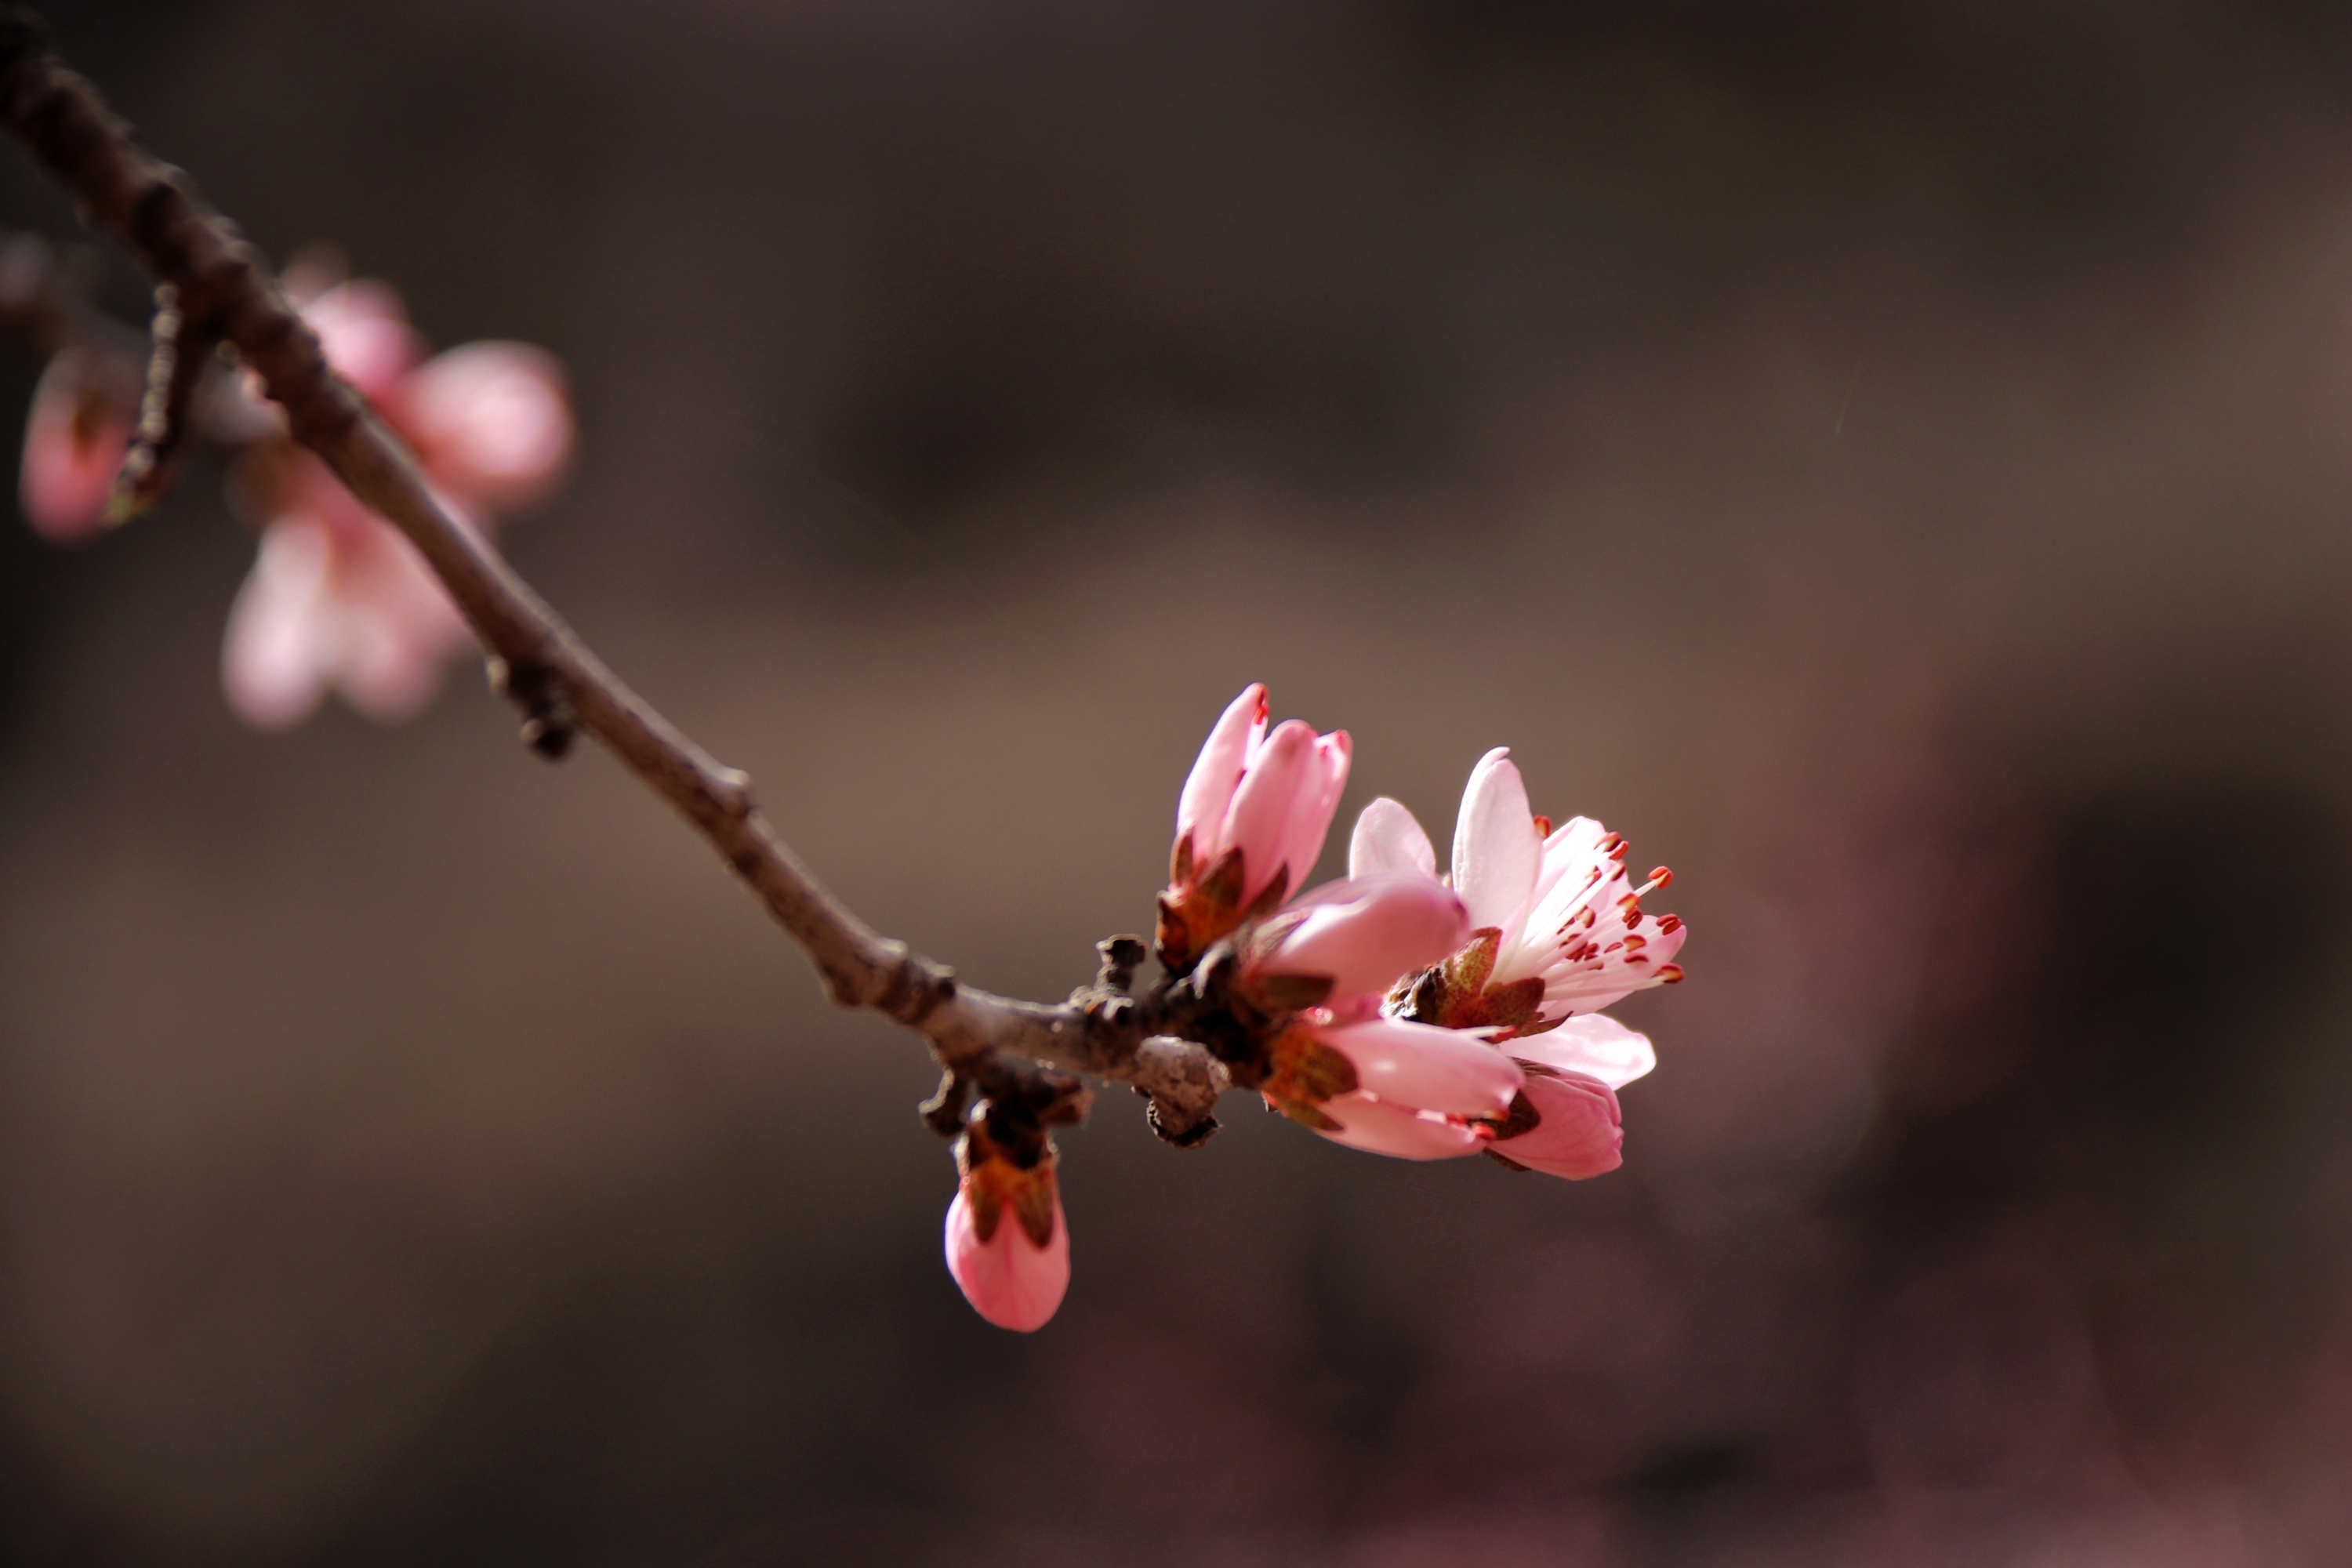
173,373
218,280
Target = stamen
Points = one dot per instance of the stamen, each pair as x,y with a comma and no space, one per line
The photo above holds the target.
1670,973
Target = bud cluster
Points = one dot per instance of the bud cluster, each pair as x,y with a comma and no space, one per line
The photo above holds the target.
1399,1011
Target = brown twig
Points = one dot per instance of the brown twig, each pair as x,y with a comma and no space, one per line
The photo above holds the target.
221,283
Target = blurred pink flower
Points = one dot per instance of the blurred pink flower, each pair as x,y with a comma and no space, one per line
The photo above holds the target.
1250,824
1014,1274
75,440
338,599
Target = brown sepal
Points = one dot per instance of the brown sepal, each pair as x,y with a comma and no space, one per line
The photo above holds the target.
1466,971
1269,897
987,1208
1522,1117
1305,1115
1221,886
1276,994
1503,1160
1508,1006
1195,912
1032,1205
1306,1069
1180,862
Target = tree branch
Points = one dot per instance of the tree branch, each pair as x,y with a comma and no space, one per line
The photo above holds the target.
224,291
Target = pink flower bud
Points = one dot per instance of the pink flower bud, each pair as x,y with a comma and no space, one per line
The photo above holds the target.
74,445
1578,1134
1008,1278
1217,773
1270,797
1250,824
1365,935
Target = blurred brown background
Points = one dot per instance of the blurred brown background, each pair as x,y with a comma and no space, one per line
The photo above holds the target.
1893,463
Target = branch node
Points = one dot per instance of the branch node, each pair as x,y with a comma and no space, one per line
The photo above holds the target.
549,723
943,1112
1169,1123
915,988
1121,957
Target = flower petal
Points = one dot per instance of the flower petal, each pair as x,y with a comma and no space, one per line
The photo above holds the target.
1311,813
1423,1067
1217,772
1368,934
1592,1043
1379,1128
1389,840
1579,1134
1257,823
1496,851
490,420
363,330
284,636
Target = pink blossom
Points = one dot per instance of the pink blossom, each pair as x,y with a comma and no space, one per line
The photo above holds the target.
1557,932
1250,824
338,600
75,441
1564,928
1008,1245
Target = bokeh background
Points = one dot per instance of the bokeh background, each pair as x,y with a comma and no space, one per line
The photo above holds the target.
1895,463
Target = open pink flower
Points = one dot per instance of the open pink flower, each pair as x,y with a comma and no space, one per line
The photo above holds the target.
1558,926
1008,1245
338,600
75,439
1557,932
1250,824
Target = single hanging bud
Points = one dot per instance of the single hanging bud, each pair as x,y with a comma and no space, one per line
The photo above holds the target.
1250,824
1008,1245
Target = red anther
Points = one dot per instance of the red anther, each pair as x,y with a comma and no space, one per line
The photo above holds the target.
1660,875
1670,973
1669,924
1543,826
1612,947
1630,906
1635,944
